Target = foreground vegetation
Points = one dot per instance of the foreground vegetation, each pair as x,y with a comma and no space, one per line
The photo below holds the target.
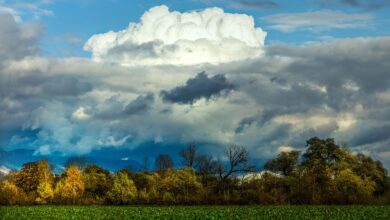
324,174
196,212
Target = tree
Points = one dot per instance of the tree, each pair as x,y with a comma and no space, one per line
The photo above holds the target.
206,165
188,155
32,174
78,161
123,190
366,167
10,194
286,163
238,162
145,164
354,189
70,188
147,185
163,162
45,178
27,178
181,185
324,151
45,192
97,181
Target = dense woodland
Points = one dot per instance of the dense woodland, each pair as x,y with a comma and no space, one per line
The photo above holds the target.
325,173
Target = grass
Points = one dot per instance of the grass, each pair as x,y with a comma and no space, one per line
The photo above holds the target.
195,212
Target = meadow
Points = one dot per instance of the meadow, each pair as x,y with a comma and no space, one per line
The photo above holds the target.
195,212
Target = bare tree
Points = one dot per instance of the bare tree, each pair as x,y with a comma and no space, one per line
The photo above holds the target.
145,164
206,164
238,162
79,161
189,155
163,162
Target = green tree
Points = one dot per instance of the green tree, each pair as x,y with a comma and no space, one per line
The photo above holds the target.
321,151
367,168
354,189
147,185
181,185
123,190
286,163
97,181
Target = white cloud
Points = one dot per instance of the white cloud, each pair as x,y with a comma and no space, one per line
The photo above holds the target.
164,37
111,141
286,149
4,170
318,21
7,10
34,8
80,114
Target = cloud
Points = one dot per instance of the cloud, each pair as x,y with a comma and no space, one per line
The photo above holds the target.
4,170
10,11
17,41
368,4
256,4
197,88
165,37
140,105
318,21
80,114
35,8
74,105
65,86
286,149
71,39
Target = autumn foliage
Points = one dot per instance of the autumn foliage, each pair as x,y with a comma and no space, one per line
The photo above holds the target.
324,174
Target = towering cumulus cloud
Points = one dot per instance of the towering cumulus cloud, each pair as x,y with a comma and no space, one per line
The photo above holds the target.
164,37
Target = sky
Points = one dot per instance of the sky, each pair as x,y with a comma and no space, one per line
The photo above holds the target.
88,76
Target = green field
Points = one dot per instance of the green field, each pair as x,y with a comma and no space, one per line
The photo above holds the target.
195,212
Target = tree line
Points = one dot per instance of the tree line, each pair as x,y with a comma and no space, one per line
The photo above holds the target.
326,173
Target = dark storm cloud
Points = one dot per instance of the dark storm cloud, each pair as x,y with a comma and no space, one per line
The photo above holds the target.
370,134
197,88
140,105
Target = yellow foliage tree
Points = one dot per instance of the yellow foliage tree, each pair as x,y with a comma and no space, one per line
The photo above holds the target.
45,193
72,187
45,187
10,194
